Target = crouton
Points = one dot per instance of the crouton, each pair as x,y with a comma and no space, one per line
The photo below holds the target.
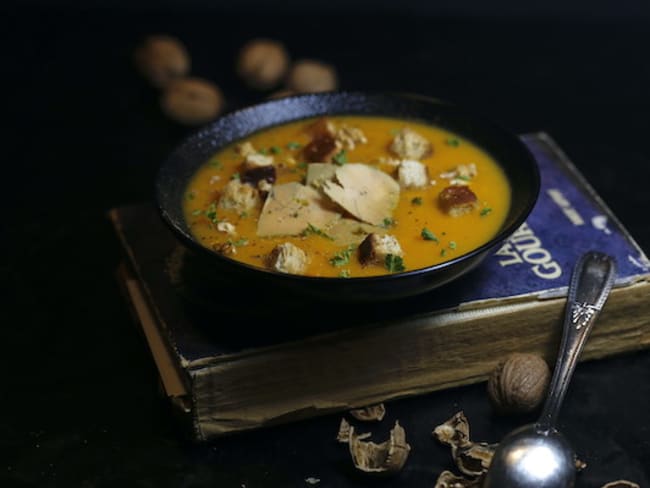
408,144
287,258
227,228
412,174
239,196
349,137
257,160
461,174
321,148
457,200
375,247
245,148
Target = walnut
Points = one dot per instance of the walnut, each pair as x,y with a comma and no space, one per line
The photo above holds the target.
309,76
519,383
262,63
161,60
192,101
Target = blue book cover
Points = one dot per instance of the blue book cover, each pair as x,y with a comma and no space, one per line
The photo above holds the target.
535,263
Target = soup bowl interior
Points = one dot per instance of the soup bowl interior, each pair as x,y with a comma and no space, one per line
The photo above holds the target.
504,147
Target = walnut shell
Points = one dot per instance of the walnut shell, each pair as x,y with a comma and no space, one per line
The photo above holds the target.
519,383
310,76
262,63
161,60
192,101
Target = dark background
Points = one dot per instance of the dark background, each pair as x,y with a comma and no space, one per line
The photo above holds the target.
83,133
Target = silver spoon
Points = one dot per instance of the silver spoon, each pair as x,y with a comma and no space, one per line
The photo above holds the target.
538,455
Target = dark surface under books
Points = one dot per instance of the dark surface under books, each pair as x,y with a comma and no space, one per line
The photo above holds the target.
82,133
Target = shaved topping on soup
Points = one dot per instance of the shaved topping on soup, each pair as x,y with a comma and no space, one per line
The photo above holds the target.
347,196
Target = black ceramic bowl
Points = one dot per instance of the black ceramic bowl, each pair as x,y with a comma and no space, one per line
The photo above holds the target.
517,162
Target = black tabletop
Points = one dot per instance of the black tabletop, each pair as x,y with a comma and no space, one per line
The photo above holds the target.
83,132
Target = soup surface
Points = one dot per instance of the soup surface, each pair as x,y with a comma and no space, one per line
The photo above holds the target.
423,194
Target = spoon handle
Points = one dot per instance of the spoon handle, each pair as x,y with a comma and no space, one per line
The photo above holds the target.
591,282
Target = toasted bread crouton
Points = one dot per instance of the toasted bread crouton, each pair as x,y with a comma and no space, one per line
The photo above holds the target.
257,160
457,200
349,137
408,144
239,196
287,258
412,174
245,148
227,228
321,149
375,247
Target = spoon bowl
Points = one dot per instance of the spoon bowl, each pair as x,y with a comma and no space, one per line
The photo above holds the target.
532,458
538,455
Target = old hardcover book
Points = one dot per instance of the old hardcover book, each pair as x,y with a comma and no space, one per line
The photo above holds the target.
235,359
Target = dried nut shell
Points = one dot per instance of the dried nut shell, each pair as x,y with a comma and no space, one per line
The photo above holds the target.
309,76
162,59
373,412
192,101
519,384
447,479
385,458
454,432
262,63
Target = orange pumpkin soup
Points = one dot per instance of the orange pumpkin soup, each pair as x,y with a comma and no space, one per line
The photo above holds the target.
347,196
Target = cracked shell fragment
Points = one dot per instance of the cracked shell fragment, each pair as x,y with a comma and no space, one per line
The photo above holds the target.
472,458
386,458
367,193
447,479
369,413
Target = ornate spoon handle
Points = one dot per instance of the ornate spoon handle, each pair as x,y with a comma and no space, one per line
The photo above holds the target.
591,282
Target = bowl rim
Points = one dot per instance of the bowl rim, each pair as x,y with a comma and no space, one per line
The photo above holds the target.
503,233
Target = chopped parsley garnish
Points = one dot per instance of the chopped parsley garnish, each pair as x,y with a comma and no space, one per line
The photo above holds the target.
263,151
453,142
215,163
239,242
235,176
388,222
416,201
443,252
394,263
243,215
485,211
276,150
342,258
345,273
198,211
452,245
302,165
293,145
427,235
464,178
341,158
312,229
394,132
190,195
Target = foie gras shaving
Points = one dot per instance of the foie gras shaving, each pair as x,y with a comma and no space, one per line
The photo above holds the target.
367,193
290,208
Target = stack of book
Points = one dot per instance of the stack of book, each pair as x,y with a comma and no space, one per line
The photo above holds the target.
232,361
